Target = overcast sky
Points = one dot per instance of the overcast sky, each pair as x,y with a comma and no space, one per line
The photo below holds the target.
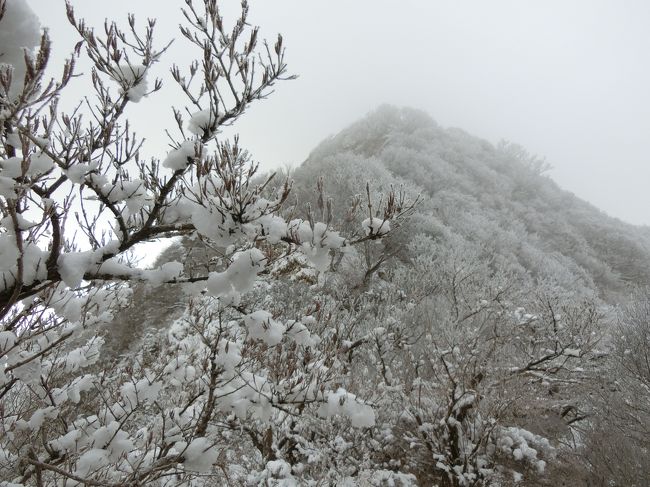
568,80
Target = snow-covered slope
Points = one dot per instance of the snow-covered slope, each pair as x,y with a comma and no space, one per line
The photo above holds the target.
496,201
481,321
496,197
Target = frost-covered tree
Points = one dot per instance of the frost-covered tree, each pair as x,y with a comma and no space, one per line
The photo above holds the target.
480,367
617,439
484,342
480,375
214,398
323,341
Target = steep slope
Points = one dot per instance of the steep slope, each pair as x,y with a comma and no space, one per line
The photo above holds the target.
496,197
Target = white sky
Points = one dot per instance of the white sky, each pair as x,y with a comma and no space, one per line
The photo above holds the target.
568,80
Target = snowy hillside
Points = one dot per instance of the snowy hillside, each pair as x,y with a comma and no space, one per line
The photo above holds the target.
481,321
497,199
412,306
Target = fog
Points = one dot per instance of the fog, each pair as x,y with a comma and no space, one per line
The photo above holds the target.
567,80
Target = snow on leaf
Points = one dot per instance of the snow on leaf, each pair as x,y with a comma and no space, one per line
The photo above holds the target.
239,277
345,404
40,415
375,226
20,31
167,272
300,334
135,78
7,340
84,356
200,455
91,461
262,326
137,392
7,187
181,157
201,121
73,266
228,355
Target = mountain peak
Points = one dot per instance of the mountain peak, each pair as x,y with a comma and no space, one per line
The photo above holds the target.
495,196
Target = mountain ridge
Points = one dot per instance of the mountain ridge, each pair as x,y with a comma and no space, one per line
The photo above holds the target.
485,193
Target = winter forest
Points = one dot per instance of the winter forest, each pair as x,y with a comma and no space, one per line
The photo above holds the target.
410,306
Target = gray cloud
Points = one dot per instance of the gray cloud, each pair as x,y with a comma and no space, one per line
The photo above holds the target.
567,80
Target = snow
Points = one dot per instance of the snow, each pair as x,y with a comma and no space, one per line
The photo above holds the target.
92,460
113,440
142,391
135,77
218,284
273,227
316,242
261,325
200,455
259,379
300,334
466,400
178,212
300,230
33,261
12,167
74,265
77,172
181,157
167,272
20,30
67,442
200,121
23,223
244,269
7,340
228,355
79,384
375,226
180,371
84,356
39,164
572,352
215,225
319,257
238,278
7,187
345,404
320,236
8,251
518,441
381,478
524,318
133,193
278,469
36,420
15,167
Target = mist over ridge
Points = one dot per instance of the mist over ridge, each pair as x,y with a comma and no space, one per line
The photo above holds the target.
499,197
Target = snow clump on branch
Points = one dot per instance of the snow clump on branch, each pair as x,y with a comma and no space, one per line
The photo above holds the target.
20,32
